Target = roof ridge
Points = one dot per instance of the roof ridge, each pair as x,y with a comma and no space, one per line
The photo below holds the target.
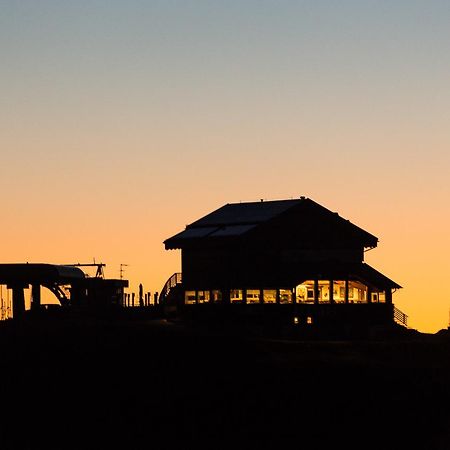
262,200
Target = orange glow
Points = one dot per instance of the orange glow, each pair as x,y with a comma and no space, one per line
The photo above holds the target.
114,138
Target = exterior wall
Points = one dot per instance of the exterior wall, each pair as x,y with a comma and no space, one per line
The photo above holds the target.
353,255
249,266
343,320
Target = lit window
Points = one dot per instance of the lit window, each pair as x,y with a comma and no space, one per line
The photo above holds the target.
304,293
235,295
203,296
309,320
190,298
357,292
270,296
285,296
216,296
253,295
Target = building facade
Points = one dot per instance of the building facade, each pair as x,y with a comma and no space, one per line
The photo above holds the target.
293,256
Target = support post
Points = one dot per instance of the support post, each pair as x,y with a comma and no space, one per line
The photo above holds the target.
331,291
316,291
141,295
35,297
226,296
369,294
346,292
388,296
18,301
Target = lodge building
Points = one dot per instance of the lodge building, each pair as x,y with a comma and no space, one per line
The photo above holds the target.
293,257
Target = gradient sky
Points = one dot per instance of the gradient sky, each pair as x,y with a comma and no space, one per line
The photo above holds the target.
123,121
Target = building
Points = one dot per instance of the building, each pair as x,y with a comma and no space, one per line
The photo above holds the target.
72,288
293,259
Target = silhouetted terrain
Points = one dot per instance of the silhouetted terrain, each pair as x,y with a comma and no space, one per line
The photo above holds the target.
69,384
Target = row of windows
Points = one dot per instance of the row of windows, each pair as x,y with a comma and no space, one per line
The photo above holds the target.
303,293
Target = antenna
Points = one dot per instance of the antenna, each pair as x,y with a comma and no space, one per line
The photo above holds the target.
121,270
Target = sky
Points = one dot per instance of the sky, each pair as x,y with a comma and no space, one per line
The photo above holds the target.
121,122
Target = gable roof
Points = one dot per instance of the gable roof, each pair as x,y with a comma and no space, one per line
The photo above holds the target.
245,213
237,219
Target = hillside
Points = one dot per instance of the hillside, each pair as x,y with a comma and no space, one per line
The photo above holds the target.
71,384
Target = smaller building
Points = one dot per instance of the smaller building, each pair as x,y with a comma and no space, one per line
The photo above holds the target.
70,285
289,259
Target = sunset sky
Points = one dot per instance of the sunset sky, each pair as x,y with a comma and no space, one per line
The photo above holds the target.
123,121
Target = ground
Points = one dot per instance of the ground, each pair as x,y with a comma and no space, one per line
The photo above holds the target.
91,383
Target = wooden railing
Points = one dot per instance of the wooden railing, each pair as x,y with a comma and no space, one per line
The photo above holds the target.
400,317
173,281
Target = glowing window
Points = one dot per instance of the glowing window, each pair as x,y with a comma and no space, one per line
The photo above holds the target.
309,320
357,292
253,295
203,296
285,296
304,293
270,296
190,297
235,295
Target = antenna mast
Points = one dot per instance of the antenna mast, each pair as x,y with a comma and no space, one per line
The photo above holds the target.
121,270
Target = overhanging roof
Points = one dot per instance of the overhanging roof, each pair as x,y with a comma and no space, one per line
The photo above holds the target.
39,273
236,219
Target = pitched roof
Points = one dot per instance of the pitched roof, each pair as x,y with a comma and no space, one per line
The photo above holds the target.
245,213
237,219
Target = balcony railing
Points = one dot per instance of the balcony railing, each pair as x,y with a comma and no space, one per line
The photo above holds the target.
400,317
172,282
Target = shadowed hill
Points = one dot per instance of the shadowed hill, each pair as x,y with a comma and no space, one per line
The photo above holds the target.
68,384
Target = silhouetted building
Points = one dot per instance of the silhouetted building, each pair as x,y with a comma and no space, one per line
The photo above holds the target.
292,257
69,284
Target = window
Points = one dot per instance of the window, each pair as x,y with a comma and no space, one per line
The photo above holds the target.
236,295
357,292
270,296
216,296
190,298
304,293
253,295
285,296
203,296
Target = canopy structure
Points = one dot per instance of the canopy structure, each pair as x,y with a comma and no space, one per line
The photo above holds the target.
20,276
32,273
